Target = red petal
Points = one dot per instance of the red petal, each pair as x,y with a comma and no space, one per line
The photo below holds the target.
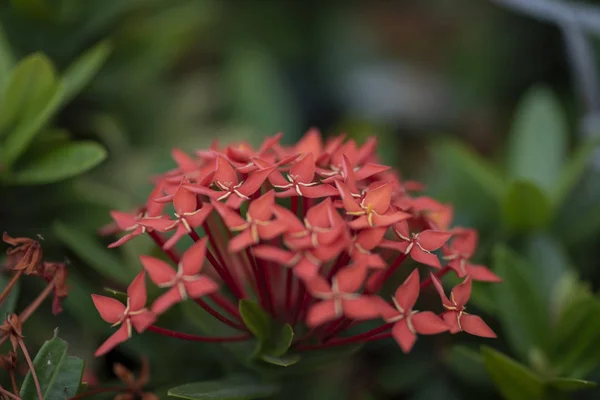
199,189
390,218
166,301
124,221
160,272
277,179
368,239
158,224
369,170
234,201
124,240
262,208
184,161
318,191
142,321
193,258
225,172
153,208
231,218
394,245
367,150
350,178
179,233
254,181
451,319
440,289
464,241
306,270
349,203
120,336
403,336
289,219
319,215
379,198
481,273
320,313
200,287
386,310
311,142
432,240
351,278
476,326
272,230
291,192
184,201
401,229
272,253
111,310
304,169
361,308
462,292
427,323
424,258
406,295
241,241
196,219
137,292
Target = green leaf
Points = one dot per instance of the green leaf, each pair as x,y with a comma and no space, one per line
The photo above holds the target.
78,74
521,308
10,302
256,319
538,139
513,380
92,253
473,166
224,390
60,163
59,375
525,207
281,361
116,294
570,384
467,364
32,83
273,339
7,60
573,170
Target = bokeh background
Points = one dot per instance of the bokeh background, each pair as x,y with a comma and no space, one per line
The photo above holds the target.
439,82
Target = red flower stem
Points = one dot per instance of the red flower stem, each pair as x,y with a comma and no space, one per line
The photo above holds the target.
11,284
225,304
94,392
8,394
218,316
221,270
294,204
13,381
386,275
306,204
213,243
36,303
266,276
289,286
38,388
261,282
196,338
341,326
341,260
160,242
302,300
438,275
373,334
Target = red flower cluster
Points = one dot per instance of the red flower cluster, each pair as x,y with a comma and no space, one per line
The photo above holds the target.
311,231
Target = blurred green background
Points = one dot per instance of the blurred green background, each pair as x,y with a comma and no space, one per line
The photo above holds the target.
493,104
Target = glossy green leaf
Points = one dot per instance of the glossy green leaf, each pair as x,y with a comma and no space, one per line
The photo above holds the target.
10,302
31,85
538,139
60,163
224,390
282,361
570,384
116,294
526,207
467,364
103,260
573,170
280,340
79,74
256,319
59,375
512,379
7,60
472,165
521,308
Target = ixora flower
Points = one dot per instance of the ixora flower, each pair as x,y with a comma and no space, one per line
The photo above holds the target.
310,232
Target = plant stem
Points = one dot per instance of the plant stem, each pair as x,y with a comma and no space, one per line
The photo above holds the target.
13,381
225,304
373,334
160,242
8,394
218,315
10,285
385,275
36,303
438,275
31,368
196,338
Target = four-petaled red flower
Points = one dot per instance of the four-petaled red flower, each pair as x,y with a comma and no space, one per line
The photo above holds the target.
459,253
408,322
418,245
130,316
455,315
184,283
341,298
300,182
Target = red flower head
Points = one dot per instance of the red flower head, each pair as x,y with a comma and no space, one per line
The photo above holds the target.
310,231
455,314
130,316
